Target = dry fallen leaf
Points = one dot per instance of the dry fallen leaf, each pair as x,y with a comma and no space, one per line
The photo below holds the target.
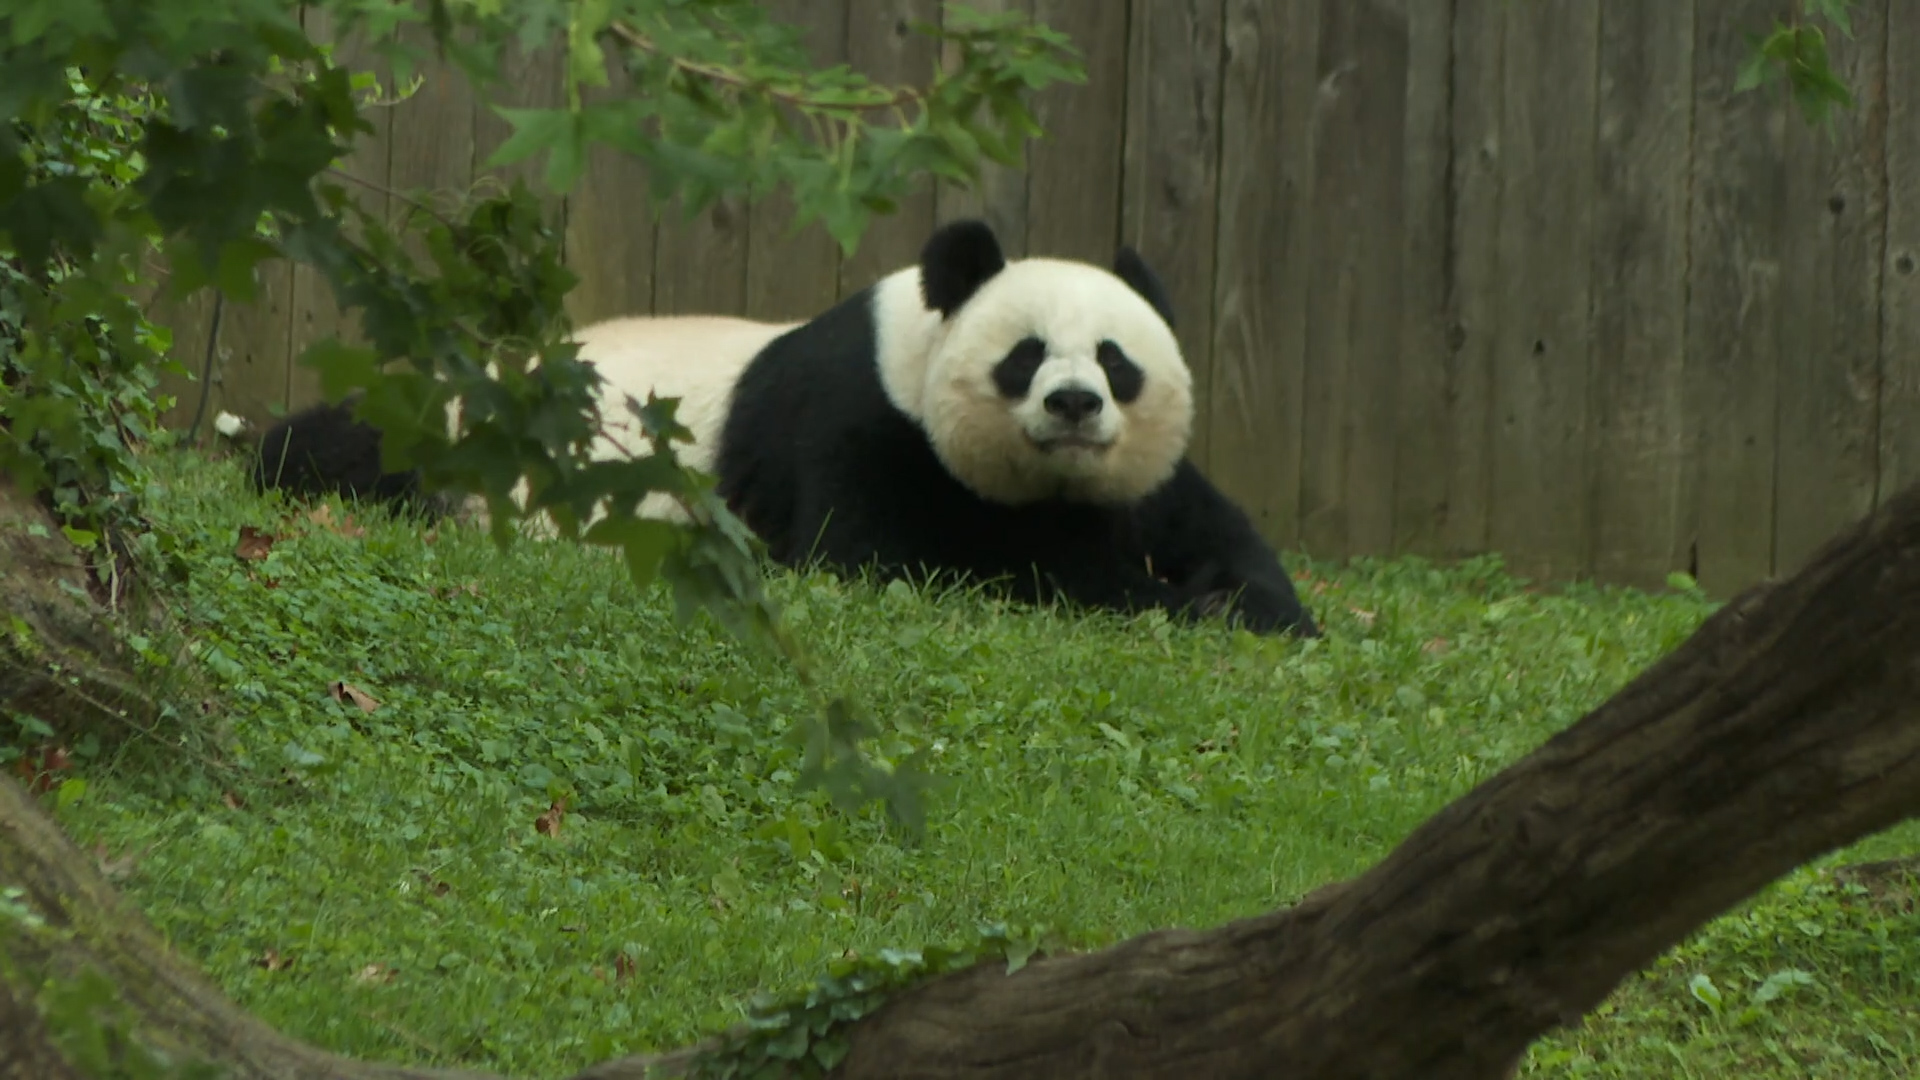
374,973
254,545
39,770
1364,617
1437,647
323,517
231,800
343,691
623,967
548,824
273,961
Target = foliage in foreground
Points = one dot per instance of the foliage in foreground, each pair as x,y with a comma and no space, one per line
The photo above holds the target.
397,883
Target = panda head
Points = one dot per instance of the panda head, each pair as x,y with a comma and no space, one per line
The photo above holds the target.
1037,378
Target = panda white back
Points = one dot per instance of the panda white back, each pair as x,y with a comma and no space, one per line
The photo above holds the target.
694,358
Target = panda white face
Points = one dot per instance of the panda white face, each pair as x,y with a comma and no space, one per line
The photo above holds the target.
1054,379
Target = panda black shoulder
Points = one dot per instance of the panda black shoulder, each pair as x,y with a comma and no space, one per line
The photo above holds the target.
810,416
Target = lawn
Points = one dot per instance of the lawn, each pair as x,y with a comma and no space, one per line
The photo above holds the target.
383,882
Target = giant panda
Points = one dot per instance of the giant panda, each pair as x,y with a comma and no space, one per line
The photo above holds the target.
323,449
1023,420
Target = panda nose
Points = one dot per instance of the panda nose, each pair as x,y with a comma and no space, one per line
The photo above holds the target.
1073,404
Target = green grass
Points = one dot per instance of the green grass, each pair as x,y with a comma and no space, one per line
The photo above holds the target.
1103,777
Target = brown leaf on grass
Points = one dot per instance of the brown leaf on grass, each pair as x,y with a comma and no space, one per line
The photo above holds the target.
273,961
1437,647
623,967
343,691
254,545
375,973
231,800
548,824
40,771
322,516
1362,616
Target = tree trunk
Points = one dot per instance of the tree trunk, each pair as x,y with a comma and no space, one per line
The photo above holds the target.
1787,726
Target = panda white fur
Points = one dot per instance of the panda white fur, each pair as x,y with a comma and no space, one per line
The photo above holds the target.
695,358
1025,421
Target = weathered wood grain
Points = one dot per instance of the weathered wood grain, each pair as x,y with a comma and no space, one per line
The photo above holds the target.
1074,168
1540,516
1900,293
882,45
611,230
999,196
1639,286
1459,503
1734,291
1419,443
796,274
1171,165
1353,306
1264,261
1834,231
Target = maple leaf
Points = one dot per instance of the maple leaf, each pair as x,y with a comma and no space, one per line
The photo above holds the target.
344,691
254,545
548,824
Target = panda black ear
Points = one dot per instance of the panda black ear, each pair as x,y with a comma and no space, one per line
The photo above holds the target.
1129,267
957,259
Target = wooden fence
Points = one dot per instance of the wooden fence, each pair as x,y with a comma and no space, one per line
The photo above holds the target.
1455,276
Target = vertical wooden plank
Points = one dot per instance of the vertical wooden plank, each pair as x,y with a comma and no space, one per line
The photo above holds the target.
796,275
1830,319
700,263
1540,509
253,367
1353,307
190,320
1457,503
1171,161
1073,169
1900,299
528,80
882,45
1639,283
1733,304
999,196
1379,246
1264,261
611,228
431,141
1420,448
315,315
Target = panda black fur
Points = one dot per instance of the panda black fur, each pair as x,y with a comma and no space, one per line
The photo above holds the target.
1026,421
324,450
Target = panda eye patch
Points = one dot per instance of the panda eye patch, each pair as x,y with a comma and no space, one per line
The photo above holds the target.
1124,376
1013,375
